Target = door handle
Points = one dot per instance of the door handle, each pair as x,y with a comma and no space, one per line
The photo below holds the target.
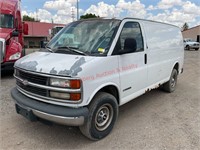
145,58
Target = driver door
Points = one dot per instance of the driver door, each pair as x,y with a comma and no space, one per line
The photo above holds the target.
132,61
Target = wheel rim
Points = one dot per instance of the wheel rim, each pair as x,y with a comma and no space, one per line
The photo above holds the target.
173,81
103,117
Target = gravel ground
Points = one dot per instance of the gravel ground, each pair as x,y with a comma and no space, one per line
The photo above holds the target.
154,121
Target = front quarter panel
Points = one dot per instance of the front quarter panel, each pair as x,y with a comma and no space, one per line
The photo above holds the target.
100,72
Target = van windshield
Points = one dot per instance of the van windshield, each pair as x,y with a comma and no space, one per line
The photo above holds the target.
6,21
91,37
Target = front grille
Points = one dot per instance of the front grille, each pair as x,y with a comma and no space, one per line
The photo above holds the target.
32,77
32,89
2,48
36,85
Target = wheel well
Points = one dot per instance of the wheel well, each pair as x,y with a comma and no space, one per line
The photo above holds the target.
176,67
111,90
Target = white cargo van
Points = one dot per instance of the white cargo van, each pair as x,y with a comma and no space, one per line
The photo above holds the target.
94,66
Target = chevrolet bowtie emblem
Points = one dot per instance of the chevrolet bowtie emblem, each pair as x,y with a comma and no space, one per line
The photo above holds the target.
25,82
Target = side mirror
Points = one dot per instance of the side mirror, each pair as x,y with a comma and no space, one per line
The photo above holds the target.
25,28
15,33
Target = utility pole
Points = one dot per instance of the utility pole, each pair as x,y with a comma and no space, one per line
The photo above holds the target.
77,10
72,14
36,19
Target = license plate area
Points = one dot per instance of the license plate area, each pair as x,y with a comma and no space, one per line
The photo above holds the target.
28,114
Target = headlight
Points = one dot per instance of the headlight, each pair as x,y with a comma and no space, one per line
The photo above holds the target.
15,56
74,84
66,96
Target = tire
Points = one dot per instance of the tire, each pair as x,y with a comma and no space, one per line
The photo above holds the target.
103,113
187,47
170,86
196,49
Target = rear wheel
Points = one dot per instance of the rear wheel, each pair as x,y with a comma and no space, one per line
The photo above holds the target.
103,112
170,86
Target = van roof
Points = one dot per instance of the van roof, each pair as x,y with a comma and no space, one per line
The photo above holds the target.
152,21
119,19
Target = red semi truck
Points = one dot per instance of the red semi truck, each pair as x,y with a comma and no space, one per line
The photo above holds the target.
11,33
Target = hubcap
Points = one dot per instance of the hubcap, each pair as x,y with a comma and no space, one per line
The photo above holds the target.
103,117
173,81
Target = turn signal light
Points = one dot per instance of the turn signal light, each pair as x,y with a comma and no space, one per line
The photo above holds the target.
75,84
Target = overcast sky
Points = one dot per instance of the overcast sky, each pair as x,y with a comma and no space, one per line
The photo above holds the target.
171,11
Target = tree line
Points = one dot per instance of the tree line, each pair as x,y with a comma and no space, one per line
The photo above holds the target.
86,16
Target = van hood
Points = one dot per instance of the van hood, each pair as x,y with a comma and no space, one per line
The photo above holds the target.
5,33
192,42
53,63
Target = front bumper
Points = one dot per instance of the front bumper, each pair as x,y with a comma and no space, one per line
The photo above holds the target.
7,66
54,113
194,46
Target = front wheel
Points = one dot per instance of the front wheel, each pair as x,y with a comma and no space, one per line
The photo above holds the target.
103,113
196,49
187,47
170,86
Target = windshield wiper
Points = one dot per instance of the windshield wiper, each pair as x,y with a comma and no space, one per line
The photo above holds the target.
49,49
72,49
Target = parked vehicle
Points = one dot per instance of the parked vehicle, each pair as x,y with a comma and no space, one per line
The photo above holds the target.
11,33
55,30
191,44
94,66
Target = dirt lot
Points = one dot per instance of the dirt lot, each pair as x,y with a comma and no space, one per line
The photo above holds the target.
156,120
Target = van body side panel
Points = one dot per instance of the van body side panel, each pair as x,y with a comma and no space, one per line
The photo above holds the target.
165,49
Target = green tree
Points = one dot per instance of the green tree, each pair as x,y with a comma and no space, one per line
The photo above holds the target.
28,18
185,26
87,16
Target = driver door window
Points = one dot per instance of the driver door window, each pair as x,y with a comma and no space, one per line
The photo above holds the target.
130,39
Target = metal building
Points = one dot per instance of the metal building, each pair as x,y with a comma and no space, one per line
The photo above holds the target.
193,33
